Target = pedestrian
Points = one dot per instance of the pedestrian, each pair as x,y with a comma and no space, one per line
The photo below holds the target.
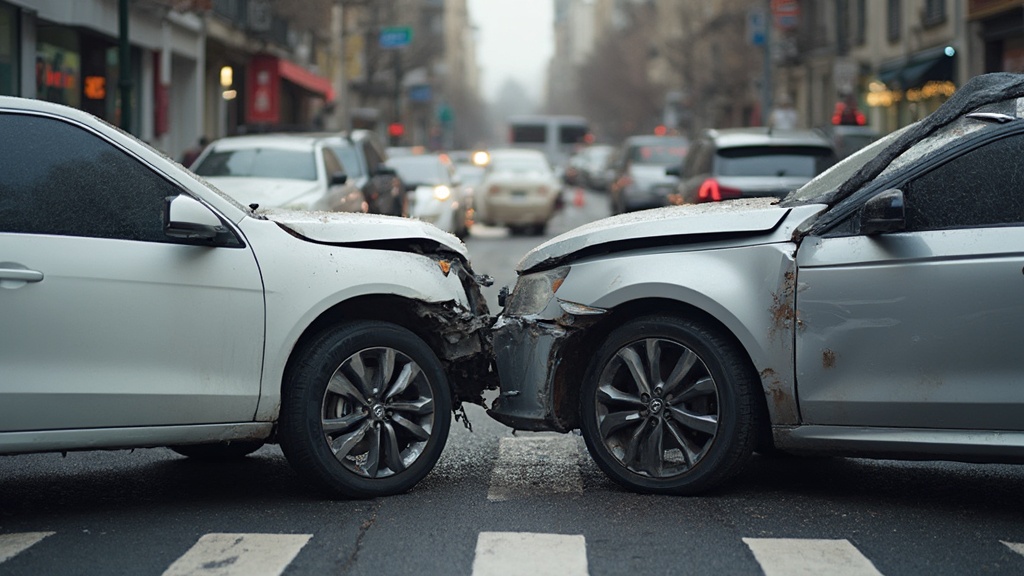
190,155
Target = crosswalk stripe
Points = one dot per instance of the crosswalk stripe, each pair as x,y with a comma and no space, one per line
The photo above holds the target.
534,465
1015,546
529,554
796,557
13,544
239,555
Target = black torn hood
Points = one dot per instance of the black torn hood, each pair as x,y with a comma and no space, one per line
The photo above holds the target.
361,230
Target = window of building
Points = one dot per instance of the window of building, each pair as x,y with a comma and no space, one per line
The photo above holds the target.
9,71
895,24
860,22
934,12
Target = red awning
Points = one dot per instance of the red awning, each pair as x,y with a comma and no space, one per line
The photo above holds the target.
306,79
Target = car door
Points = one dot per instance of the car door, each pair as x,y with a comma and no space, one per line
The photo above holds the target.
107,322
920,328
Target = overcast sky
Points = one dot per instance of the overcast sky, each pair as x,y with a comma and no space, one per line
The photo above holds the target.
513,40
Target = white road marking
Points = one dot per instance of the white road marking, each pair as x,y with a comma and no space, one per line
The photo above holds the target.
796,557
13,544
537,464
527,554
1015,546
239,555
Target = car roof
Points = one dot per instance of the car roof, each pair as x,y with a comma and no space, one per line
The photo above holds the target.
283,141
765,136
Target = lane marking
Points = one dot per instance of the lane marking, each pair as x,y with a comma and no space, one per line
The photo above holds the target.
13,544
533,465
530,554
1015,546
796,557
239,555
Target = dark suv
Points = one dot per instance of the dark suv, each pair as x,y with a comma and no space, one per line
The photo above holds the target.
362,154
746,162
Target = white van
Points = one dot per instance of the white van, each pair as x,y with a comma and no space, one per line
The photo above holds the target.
555,135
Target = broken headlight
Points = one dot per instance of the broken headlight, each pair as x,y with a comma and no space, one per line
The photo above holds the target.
533,292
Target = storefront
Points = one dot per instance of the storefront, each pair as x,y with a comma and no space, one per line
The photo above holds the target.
911,88
1000,26
282,94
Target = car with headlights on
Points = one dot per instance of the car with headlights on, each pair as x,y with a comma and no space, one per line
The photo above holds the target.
519,190
153,310
434,192
874,312
291,171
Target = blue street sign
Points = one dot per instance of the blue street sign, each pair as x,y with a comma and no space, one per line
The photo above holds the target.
395,37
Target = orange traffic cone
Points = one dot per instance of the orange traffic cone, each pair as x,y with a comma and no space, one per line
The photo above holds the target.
577,199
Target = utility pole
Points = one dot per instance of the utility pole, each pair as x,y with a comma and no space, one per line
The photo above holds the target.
767,86
124,67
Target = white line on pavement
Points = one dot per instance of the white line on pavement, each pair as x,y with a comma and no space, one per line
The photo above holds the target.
13,544
797,557
528,554
239,555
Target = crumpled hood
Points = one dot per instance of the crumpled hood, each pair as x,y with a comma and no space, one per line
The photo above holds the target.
357,228
269,192
751,215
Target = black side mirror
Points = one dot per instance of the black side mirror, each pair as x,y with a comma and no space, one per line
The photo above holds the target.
383,170
338,178
676,171
883,213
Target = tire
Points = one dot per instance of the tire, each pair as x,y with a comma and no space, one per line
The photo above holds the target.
221,452
365,410
683,428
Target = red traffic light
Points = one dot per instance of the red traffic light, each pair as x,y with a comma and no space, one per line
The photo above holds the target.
396,129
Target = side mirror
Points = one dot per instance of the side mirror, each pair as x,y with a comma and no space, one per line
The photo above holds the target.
676,171
337,179
883,213
186,218
383,170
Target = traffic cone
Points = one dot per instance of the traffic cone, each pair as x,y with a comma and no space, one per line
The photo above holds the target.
577,199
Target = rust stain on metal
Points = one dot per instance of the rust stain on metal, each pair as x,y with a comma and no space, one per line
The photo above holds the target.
782,310
828,359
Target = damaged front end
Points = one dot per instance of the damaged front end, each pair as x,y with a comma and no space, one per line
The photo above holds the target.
534,341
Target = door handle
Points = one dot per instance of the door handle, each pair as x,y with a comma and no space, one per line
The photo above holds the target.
20,274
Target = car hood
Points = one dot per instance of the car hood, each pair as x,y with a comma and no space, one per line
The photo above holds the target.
668,225
365,230
269,192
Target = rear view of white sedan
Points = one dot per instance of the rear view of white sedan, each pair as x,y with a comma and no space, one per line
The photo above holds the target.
519,190
143,308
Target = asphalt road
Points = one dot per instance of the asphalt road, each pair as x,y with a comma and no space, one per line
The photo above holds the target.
499,503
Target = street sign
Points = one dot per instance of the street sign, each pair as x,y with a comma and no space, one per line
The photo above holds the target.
395,37
757,27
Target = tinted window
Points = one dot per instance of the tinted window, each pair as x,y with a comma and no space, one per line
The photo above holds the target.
802,161
261,162
331,164
571,134
980,188
529,134
60,179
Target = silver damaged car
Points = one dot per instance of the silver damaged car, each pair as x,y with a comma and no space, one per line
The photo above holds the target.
874,312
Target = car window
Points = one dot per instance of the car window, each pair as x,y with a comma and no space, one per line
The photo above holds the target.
804,161
668,155
373,158
979,188
349,157
62,180
259,162
331,164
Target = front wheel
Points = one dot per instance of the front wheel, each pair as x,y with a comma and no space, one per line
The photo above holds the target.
365,410
668,406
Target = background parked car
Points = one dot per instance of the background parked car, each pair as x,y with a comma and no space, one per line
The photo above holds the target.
365,161
640,180
519,190
874,312
434,192
280,171
152,310
751,162
594,172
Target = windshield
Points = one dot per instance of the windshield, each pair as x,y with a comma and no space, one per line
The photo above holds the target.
779,161
661,155
519,165
419,170
259,163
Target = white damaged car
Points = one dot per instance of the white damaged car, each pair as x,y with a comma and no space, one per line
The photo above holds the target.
874,312
143,308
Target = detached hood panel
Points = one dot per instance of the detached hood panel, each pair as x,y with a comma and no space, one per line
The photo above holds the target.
354,228
672,224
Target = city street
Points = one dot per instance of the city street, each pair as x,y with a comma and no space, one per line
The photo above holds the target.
505,503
